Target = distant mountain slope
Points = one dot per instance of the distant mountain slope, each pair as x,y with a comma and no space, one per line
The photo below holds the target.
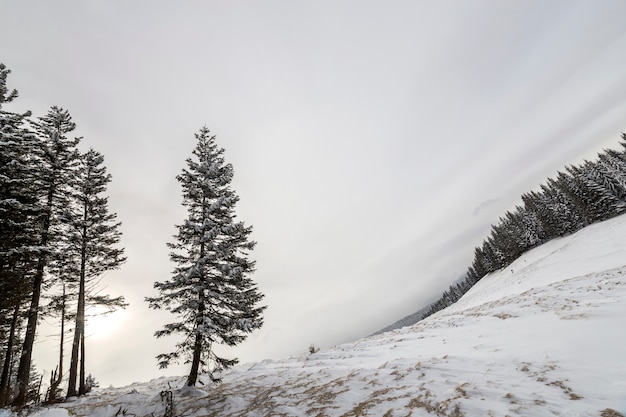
409,320
543,337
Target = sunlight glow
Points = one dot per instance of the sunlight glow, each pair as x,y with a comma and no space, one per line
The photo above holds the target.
100,325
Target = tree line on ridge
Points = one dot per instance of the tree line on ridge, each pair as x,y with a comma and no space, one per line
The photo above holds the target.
577,197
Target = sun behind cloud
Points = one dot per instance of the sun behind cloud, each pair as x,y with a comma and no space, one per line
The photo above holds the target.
101,324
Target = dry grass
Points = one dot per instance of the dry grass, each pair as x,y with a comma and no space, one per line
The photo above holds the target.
567,390
441,409
361,408
503,316
609,412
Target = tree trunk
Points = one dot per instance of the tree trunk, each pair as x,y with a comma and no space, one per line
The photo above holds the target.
55,382
195,364
197,347
83,278
79,332
23,372
79,328
62,337
81,386
8,356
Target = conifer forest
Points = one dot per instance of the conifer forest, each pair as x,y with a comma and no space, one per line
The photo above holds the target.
577,197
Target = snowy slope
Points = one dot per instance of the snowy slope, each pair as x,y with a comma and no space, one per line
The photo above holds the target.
543,337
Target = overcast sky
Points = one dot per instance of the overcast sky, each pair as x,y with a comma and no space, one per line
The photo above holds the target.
373,142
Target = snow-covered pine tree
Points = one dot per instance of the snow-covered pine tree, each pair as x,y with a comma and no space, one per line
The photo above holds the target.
574,192
614,166
210,291
18,202
19,209
58,156
91,244
597,193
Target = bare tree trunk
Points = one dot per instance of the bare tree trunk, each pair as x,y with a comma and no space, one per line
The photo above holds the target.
197,347
195,364
81,386
62,337
55,382
8,356
79,328
79,333
23,372
81,297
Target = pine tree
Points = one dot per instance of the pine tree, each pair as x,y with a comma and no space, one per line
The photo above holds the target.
92,236
537,203
91,383
526,227
18,237
19,210
18,204
574,192
58,158
210,291
597,191
613,170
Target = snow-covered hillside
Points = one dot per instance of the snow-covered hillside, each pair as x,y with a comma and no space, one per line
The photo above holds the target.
543,337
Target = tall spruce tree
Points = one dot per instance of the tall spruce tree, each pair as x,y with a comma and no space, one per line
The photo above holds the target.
19,209
18,203
58,156
210,291
91,246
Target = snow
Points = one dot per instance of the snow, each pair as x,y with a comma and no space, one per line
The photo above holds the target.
542,337
53,412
